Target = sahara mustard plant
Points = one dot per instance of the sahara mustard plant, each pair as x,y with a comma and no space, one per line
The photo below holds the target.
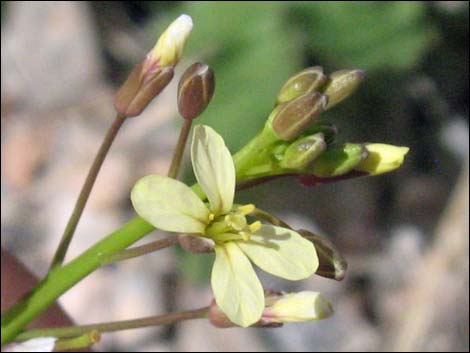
294,142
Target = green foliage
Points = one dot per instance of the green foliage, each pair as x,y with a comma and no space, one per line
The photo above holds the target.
366,34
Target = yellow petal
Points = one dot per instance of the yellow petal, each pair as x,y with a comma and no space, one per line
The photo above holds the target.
281,252
302,306
169,204
382,158
213,167
237,289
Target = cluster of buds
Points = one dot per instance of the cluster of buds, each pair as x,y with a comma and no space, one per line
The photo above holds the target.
295,141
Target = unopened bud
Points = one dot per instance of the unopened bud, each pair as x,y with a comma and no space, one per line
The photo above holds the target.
303,152
298,307
195,90
382,158
140,88
331,263
292,118
196,245
337,160
170,45
306,81
341,85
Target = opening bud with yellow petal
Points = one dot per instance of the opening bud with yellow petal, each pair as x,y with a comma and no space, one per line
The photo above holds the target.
341,85
291,119
306,81
331,263
170,45
195,90
337,160
382,158
153,74
303,151
196,245
297,307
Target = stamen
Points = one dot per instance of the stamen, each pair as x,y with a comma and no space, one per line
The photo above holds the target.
255,226
245,235
246,209
211,217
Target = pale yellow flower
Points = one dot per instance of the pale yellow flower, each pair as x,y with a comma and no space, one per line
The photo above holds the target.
382,158
170,205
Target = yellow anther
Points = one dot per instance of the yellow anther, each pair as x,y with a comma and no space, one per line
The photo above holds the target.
255,226
246,209
211,217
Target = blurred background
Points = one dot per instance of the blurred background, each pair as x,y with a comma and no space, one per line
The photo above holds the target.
405,234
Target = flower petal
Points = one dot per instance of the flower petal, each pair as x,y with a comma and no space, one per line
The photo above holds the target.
169,204
213,167
281,252
237,289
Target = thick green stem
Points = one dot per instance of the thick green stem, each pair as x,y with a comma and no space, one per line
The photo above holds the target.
72,331
61,279
66,239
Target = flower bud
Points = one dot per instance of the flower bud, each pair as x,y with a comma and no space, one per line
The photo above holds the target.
292,118
140,88
196,245
337,160
341,85
298,307
382,158
331,263
306,81
303,151
195,90
170,45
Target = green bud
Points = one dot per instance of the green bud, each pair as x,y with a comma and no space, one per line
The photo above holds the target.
195,90
329,131
337,160
306,81
291,119
303,151
331,263
140,88
341,85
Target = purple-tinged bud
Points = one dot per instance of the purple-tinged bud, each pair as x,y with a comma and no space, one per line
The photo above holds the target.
291,119
341,85
306,81
195,90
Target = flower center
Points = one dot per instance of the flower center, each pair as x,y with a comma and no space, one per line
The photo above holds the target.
233,225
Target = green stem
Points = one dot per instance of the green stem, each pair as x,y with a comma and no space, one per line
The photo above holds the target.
179,150
66,239
71,331
141,250
61,279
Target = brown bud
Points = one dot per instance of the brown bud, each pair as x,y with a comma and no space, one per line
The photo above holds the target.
294,117
196,245
331,263
195,90
306,81
140,88
341,85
